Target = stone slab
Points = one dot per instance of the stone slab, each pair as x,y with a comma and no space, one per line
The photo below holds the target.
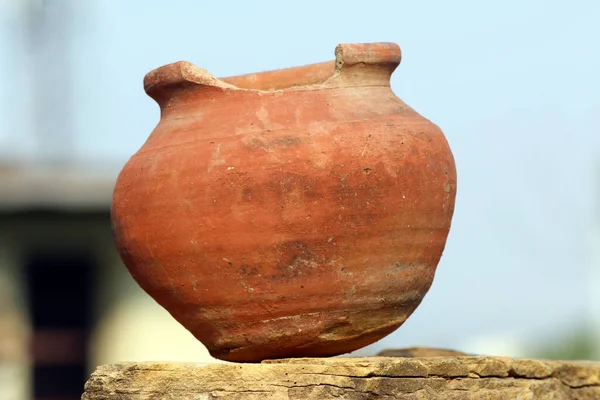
448,378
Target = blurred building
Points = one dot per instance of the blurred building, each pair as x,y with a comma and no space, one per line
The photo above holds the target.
67,303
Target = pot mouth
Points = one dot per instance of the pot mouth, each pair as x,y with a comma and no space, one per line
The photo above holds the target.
365,61
285,78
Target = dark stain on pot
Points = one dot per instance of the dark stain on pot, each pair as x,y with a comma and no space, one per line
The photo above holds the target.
287,185
397,272
311,193
337,329
296,259
249,270
285,141
247,193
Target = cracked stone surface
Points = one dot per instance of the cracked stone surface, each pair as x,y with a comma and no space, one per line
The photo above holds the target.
449,378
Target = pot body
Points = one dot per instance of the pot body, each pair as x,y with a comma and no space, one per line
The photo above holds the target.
276,221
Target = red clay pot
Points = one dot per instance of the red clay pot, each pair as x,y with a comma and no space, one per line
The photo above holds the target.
291,213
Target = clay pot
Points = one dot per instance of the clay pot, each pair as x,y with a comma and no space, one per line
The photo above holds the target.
291,213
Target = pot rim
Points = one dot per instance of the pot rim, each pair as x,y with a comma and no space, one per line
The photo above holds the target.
368,60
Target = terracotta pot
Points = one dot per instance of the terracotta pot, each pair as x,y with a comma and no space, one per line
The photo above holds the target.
291,213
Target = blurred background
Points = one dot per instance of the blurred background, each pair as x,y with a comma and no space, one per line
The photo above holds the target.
514,85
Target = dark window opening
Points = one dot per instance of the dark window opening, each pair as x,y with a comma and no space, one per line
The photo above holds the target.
59,300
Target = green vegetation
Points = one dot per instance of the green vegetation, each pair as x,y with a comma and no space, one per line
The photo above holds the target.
578,344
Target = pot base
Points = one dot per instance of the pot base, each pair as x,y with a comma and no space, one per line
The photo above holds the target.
320,348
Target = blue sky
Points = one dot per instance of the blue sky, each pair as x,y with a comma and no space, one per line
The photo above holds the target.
513,84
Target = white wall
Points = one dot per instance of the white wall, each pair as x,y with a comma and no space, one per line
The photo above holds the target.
15,375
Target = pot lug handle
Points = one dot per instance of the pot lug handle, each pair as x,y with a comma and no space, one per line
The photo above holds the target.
367,62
